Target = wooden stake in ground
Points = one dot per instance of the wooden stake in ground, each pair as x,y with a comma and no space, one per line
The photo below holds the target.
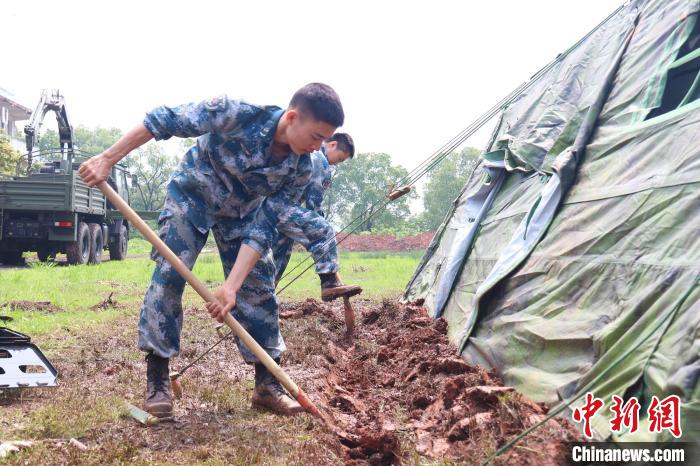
349,317
208,296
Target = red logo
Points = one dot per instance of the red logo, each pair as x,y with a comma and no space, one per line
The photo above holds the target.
625,416
586,412
665,414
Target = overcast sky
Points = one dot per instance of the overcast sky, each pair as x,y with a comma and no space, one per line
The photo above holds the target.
411,75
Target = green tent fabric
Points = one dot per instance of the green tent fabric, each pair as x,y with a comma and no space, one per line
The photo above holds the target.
572,256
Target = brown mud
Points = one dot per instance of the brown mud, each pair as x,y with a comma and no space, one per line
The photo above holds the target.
397,394
107,303
399,387
369,242
378,242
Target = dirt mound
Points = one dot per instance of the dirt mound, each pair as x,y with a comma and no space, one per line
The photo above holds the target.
303,308
401,364
107,303
44,306
384,242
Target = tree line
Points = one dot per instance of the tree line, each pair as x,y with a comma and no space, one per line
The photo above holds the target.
357,194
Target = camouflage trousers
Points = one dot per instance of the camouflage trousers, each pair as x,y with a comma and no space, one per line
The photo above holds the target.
257,308
281,254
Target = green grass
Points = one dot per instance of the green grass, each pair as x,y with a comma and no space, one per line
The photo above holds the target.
381,274
74,419
76,289
139,246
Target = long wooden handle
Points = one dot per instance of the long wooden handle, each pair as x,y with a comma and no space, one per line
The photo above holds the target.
204,292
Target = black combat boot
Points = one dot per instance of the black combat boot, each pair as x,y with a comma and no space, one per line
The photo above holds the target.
332,288
159,399
270,395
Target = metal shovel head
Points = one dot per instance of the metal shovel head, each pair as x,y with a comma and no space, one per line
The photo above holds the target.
22,364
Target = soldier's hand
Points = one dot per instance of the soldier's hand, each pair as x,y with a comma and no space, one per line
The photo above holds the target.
95,170
225,301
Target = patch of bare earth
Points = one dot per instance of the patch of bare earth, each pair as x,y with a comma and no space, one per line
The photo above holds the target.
380,242
396,391
400,392
107,303
44,306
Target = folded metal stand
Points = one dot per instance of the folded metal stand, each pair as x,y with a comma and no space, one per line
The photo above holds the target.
22,364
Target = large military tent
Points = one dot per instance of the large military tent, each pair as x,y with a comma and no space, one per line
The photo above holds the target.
570,262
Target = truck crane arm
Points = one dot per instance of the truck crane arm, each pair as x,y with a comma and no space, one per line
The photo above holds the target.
50,101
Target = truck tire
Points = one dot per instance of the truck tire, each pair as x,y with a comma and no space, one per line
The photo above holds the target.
46,255
11,258
96,243
78,252
118,248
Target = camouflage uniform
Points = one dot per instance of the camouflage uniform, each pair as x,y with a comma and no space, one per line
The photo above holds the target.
220,185
313,198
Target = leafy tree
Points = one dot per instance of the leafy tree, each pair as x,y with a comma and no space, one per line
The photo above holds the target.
152,165
359,190
91,141
48,140
444,185
12,162
97,140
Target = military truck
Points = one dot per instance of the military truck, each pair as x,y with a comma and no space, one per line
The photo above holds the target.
51,210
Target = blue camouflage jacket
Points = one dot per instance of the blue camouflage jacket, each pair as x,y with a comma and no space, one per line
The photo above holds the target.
319,182
227,174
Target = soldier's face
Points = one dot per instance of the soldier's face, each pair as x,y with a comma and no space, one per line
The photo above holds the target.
305,134
335,155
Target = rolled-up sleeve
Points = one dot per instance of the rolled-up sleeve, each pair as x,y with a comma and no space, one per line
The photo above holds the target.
217,115
261,233
282,214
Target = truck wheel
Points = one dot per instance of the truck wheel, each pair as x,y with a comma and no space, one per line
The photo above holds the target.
11,258
78,252
117,249
96,243
46,255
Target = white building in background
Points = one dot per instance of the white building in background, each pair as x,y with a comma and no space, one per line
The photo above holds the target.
12,112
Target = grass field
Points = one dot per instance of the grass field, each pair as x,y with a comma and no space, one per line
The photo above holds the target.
76,289
100,367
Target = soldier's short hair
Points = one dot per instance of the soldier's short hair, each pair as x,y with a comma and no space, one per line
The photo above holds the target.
321,102
345,143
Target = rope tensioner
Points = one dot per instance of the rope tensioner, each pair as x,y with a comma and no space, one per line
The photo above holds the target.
397,193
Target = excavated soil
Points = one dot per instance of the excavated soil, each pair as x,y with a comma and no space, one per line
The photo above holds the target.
107,303
396,391
380,243
398,387
392,243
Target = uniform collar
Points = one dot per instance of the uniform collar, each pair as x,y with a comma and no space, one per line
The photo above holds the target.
326,163
270,126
